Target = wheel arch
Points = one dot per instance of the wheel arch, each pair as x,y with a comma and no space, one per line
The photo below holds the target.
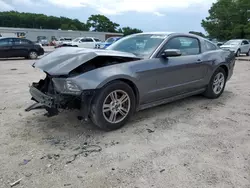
126,80
225,68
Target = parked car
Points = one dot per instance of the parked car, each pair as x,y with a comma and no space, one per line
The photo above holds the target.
63,40
108,86
108,42
238,46
43,40
18,47
85,42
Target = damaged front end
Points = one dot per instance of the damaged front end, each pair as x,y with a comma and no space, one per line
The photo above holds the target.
54,93
69,83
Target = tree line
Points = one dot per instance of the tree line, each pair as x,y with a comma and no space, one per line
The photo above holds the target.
228,19
97,22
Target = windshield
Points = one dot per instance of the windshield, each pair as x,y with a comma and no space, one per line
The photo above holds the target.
76,39
233,42
142,45
41,37
110,40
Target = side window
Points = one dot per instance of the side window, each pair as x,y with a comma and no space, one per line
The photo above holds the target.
245,42
210,46
97,40
5,42
84,40
23,41
187,45
16,41
89,40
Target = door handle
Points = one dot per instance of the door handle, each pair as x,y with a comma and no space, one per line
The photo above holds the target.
198,61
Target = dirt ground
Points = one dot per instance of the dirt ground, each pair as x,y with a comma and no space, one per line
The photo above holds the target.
190,143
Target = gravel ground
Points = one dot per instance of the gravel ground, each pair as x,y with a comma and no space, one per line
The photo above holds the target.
191,143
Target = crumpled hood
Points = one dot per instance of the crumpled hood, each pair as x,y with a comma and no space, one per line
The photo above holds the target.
64,60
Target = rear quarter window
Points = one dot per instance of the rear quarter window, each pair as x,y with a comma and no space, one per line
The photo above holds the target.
210,46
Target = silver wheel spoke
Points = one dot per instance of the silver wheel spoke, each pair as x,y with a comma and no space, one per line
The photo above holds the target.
112,117
123,111
106,108
113,96
124,98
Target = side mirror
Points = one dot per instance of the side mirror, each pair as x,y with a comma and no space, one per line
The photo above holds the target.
171,53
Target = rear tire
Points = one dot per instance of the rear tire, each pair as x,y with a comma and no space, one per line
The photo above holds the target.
113,106
33,55
216,85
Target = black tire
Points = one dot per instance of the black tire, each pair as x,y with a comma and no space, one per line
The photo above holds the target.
33,54
237,53
97,115
248,53
209,93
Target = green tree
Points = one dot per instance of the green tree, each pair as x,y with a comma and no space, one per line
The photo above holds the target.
197,33
101,23
128,31
41,21
228,19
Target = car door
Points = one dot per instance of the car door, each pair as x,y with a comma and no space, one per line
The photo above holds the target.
180,74
17,47
245,46
5,48
83,43
90,43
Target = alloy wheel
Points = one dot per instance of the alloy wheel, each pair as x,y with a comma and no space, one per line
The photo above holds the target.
218,83
116,106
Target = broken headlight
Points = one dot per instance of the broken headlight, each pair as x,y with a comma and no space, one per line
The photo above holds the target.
70,86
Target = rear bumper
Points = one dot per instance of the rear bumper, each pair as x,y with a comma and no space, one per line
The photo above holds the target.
41,51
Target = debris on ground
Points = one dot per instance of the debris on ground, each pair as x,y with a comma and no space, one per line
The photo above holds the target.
232,120
51,156
150,130
25,161
162,170
86,150
13,69
28,174
67,184
15,182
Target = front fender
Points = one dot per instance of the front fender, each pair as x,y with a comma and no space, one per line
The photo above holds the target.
97,78
117,77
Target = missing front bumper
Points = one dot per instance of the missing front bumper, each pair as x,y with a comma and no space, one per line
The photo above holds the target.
58,101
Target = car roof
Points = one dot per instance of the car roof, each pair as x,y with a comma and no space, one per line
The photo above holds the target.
167,33
10,38
156,33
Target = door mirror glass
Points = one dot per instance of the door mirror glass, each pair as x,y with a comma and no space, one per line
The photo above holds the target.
171,53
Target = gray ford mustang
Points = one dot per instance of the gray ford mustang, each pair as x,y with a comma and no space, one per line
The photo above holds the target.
137,72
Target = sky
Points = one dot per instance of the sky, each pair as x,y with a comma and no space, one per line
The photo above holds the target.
147,15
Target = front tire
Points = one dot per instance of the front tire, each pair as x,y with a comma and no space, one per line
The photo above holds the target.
237,53
217,84
113,106
248,53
